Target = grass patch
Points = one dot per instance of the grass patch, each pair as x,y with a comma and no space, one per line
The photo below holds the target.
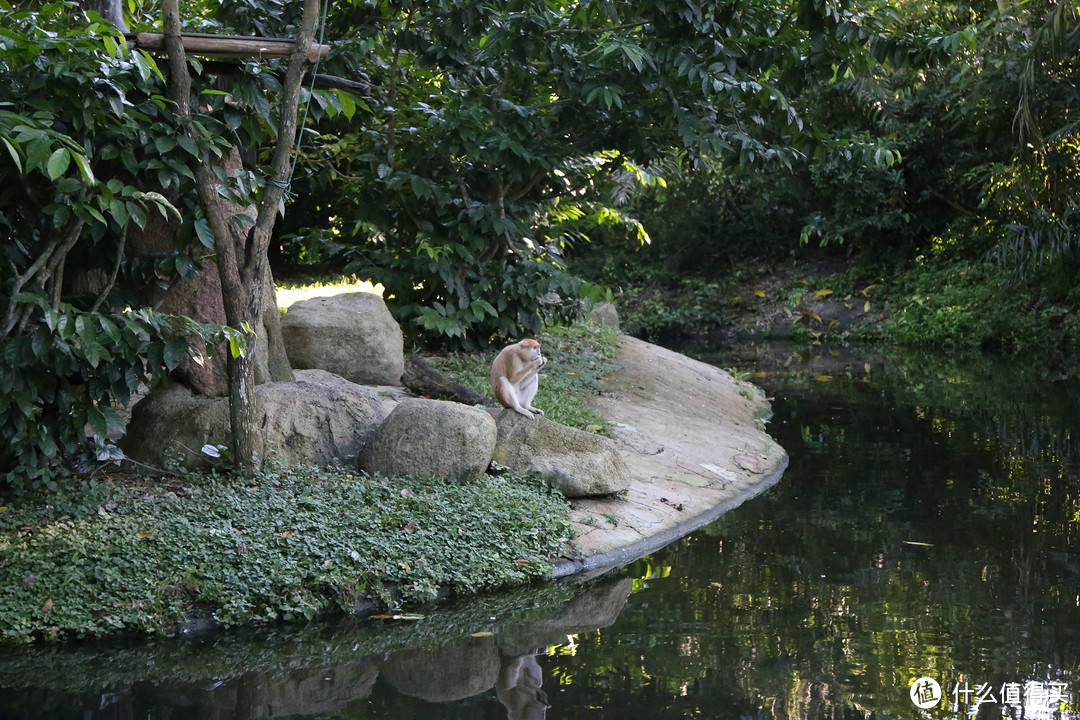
101,559
579,355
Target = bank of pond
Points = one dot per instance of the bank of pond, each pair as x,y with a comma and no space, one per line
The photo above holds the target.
925,530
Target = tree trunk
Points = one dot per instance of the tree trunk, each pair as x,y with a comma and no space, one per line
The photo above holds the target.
111,10
242,259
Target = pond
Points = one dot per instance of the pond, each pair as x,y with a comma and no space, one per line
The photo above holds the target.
921,550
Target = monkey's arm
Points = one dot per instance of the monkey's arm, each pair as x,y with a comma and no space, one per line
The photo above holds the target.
526,371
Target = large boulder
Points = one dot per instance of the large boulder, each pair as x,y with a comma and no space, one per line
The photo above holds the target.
319,419
579,463
432,438
352,335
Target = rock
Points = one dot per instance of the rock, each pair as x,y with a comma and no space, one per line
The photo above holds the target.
580,464
604,313
318,419
432,438
352,335
444,674
627,436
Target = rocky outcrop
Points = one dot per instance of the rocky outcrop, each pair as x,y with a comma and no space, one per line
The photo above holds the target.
318,419
578,463
352,335
432,438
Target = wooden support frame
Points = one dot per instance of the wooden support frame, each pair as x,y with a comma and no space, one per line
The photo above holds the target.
228,46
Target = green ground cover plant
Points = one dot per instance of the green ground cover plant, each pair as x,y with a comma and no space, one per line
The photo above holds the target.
113,557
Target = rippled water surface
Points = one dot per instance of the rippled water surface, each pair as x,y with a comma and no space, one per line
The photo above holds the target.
925,530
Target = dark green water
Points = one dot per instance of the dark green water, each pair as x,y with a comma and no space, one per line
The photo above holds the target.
925,528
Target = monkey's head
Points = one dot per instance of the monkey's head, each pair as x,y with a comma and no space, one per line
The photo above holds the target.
532,346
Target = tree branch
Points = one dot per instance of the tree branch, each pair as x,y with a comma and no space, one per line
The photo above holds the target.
281,164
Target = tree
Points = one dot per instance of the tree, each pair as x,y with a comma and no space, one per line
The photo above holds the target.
241,250
496,137
81,124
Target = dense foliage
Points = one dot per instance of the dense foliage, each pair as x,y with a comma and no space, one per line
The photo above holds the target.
501,163
981,183
496,138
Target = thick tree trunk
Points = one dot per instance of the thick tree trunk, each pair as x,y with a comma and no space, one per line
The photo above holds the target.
111,10
278,368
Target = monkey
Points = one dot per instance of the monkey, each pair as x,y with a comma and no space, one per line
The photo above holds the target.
515,377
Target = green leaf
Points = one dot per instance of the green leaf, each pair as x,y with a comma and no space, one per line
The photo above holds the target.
203,232
348,105
237,346
58,163
84,168
14,154
118,209
97,422
164,143
176,349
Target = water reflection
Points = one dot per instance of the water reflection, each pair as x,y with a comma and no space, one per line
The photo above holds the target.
926,528
487,649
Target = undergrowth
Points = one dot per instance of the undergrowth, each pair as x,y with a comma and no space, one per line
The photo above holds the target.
94,561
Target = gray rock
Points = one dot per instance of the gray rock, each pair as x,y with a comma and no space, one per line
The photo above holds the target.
432,438
352,335
580,464
318,419
604,313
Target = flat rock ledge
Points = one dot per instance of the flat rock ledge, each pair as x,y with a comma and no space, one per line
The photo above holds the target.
692,437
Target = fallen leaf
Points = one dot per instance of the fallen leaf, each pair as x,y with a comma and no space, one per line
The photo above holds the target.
412,525
285,534
47,606
866,306
148,533
823,292
759,293
483,634
406,492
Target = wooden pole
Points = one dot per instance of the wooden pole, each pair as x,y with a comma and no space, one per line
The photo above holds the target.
229,46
